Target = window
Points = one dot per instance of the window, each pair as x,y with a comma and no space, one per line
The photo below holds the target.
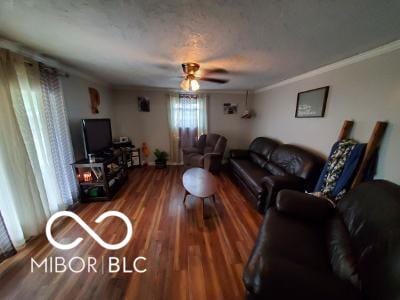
187,120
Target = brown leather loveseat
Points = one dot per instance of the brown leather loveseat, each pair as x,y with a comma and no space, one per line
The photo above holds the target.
309,249
268,167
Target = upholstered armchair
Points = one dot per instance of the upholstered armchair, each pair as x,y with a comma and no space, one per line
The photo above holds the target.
207,152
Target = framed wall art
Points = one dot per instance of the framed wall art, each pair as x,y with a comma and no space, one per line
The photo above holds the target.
230,108
312,103
143,104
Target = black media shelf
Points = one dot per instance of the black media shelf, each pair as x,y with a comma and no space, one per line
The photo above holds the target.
102,179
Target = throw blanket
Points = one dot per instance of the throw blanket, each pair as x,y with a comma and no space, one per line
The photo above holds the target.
340,169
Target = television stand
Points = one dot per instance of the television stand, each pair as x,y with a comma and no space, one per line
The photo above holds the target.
100,180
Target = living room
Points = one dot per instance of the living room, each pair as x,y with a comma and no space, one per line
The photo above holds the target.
199,150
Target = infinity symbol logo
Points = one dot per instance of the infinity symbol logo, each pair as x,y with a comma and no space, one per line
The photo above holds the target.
99,240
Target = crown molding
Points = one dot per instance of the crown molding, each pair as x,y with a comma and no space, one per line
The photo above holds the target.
337,65
36,56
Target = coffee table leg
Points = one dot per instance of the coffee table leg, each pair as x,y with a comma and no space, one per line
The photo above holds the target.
184,198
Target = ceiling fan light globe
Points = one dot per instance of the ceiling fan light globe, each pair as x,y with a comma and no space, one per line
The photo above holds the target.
194,85
185,85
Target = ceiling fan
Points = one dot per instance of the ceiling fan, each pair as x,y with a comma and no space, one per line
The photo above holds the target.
191,77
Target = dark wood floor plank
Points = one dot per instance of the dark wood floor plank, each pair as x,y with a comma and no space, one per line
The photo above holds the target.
188,257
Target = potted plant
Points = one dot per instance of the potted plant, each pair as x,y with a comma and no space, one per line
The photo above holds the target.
161,158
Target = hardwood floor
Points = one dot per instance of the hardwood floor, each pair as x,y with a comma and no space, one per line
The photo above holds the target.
187,257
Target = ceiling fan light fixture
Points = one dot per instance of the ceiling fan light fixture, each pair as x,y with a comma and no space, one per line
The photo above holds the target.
185,84
191,76
190,84
194,85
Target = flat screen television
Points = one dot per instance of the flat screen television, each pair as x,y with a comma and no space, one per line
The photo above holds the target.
97,135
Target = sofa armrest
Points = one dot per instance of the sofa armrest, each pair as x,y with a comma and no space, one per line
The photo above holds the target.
213,162
239,153
191,150
274,184
304,205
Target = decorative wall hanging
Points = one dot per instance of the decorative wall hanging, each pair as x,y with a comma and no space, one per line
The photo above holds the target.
94,100
230,108
312,103
247,114
144,104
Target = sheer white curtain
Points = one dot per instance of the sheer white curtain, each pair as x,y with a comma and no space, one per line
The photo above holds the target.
187,121
30,190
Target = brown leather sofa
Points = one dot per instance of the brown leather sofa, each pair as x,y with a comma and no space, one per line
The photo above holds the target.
268,167
308,249
206,153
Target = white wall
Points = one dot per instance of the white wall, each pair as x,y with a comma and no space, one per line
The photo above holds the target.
77,101
366,92
152,127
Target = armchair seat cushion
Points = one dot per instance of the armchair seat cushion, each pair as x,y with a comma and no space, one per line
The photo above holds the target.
191,150
196,159
250,173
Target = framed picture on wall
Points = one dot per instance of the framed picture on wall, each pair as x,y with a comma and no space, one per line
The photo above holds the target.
230,108
143,104
312,103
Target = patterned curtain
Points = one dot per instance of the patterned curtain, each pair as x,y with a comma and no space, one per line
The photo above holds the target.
58,133
6,247
187,120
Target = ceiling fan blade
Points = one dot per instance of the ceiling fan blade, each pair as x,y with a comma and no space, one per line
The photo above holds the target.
215,80
167,67
215,71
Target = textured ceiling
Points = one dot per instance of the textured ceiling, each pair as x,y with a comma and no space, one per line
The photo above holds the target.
143,42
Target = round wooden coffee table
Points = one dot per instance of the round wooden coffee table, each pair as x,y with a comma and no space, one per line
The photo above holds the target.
199,183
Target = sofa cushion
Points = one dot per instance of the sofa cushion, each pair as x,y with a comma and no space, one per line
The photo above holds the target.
257,159
250,173
299,162
274,169
263,146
